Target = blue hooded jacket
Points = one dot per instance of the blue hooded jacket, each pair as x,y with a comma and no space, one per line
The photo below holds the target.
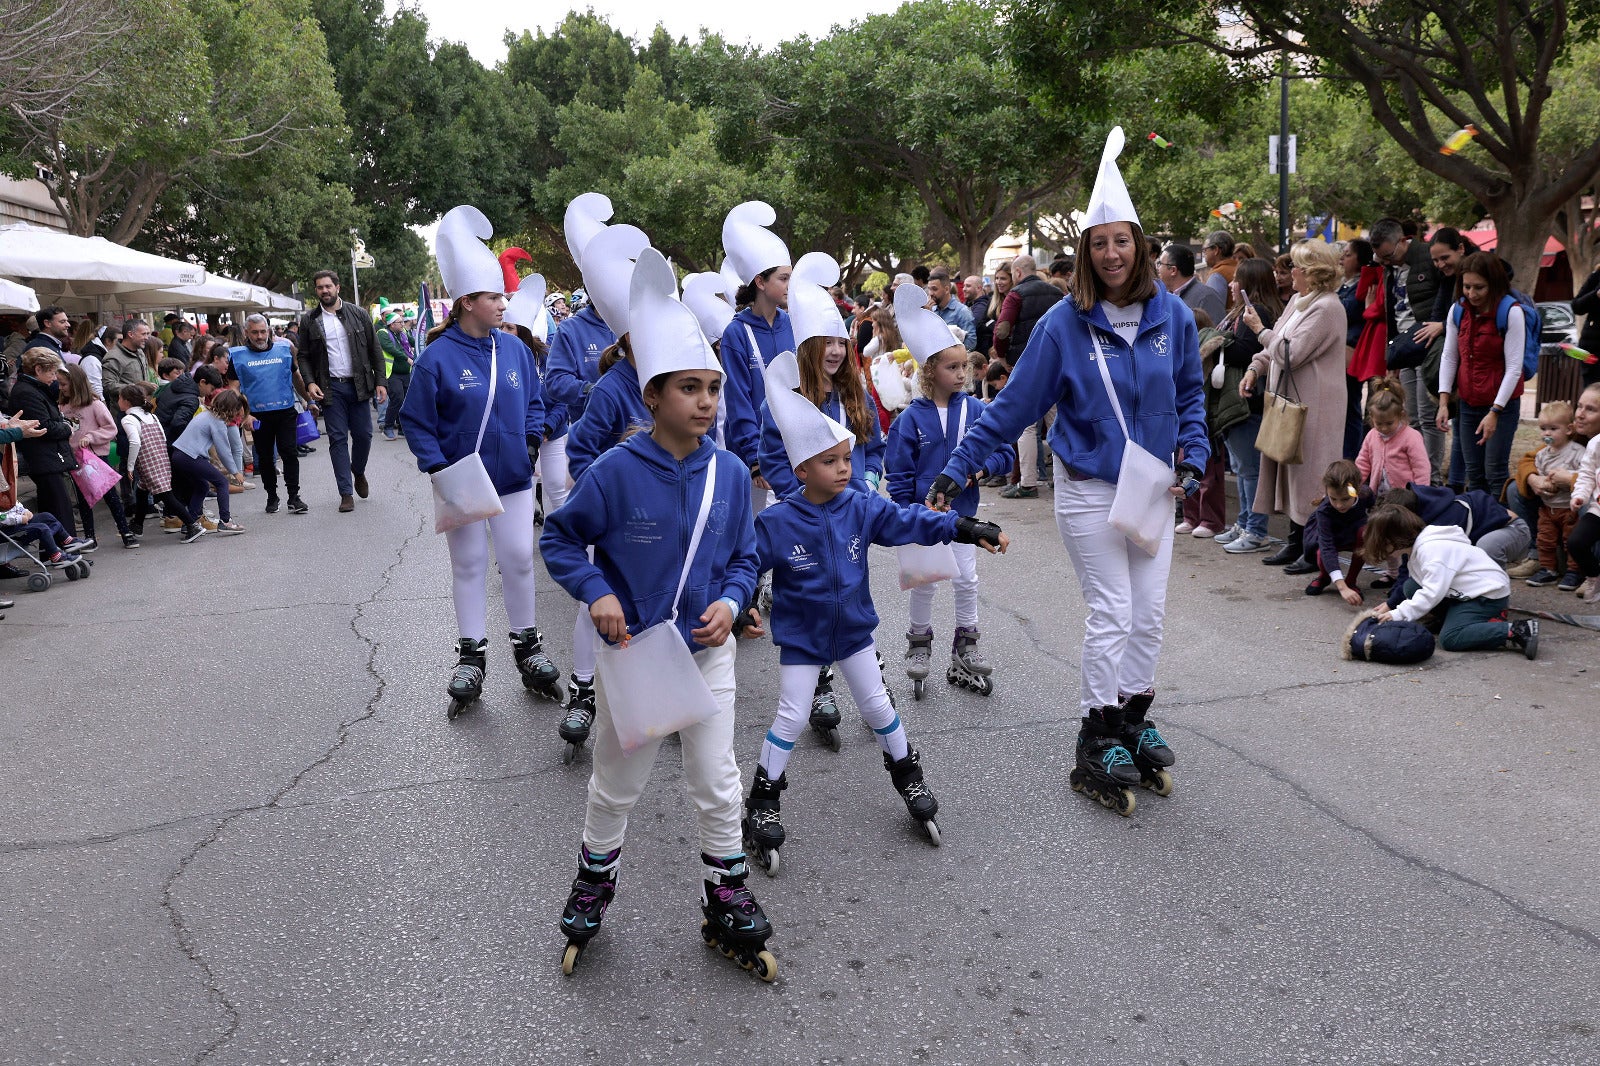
743,383
821,596
615,406
864,457
1157,380
1476,512
444,406
556,419
637,507
919,447
574,360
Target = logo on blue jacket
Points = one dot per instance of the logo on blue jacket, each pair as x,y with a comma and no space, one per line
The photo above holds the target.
855,548
468,381
800,559
1160,343
514,380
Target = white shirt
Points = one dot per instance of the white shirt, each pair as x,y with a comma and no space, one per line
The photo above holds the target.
1445,564
338,346
1125,320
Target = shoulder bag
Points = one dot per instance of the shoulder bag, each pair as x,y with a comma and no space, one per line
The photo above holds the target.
1142,509
463,492
1283,421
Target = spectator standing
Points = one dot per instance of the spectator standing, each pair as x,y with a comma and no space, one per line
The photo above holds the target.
1175,270
1030,297
269,379
342,365
1218,252
181,346
1587,303
986,309
1253,286
1360,289
1482,368
49,457
949,308
94,429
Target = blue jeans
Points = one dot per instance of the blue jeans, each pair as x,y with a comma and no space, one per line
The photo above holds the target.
349,424
1488,465
1246,464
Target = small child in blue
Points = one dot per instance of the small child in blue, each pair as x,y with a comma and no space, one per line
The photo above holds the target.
815,542
921,440
1337,525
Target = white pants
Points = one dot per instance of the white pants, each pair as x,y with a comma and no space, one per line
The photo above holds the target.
469,566
551,470
1125,590
965,586
583,638
796,685
710,772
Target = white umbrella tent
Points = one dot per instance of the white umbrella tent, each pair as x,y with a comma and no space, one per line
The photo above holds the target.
17,299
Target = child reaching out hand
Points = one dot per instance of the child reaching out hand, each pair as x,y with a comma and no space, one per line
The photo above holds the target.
1336,525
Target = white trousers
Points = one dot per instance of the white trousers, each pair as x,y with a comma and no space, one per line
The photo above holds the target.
551,470
964,584
1125,590
710,771
796,685
583,638
469,566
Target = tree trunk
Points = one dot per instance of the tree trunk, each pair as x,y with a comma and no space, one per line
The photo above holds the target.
971,251
1521,228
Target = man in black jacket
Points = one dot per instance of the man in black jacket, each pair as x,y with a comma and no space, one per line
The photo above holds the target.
1410,282
343,369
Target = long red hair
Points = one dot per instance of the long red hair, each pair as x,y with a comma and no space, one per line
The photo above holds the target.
846,383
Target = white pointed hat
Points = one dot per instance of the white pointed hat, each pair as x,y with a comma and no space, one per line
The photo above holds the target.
586,216
806,431
665,335
608,261
1110,201
751,246
812,312
924,333
466,263
709,297
526,307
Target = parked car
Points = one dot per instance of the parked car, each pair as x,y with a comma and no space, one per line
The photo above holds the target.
1560,326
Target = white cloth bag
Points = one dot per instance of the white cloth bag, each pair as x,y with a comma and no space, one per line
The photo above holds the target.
652,684
1142,509
928,564
463,492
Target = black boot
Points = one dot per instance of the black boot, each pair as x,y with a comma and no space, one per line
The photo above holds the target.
1292,548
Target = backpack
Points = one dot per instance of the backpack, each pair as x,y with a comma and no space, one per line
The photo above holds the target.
1532,321
1395,641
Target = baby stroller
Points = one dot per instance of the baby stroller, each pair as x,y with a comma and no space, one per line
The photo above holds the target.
14,554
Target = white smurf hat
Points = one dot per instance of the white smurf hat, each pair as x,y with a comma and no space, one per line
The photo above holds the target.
924,333
806,431
751,246
812,312
586,217
526,307
466,263
666,336
608,261
709,297
1110,201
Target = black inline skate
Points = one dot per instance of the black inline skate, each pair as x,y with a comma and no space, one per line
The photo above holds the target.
919,660
1104,770
580,716
906,774
734,923
1151,754
539,674
762,825
825,710
968,668
466,681
586,906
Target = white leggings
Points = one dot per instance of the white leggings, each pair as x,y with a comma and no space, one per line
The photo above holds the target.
710,771
965,585
551,470
469,566
796,685
1125,590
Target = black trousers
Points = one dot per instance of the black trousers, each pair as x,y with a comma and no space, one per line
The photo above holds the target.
55,498
276,438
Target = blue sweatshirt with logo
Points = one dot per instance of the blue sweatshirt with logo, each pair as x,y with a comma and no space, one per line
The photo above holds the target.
821,596
636,507
919,447
865,455
616,405
265,378
574,360
445,401
1157,381
744,384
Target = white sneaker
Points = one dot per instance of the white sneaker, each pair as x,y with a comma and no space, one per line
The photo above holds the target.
1203,532
1589,591
1184,527
1229,535
1248,542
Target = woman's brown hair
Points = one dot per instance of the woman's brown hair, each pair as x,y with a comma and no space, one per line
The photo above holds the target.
1487,266
81,334
615,352
450,319
846,384
1390,529
1260,286
1086,284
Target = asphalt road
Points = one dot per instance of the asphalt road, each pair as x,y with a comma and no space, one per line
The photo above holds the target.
239,829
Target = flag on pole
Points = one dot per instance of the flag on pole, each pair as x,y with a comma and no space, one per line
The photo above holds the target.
419,339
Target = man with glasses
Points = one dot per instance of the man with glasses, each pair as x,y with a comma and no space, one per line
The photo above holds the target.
1175,269
1410,282
1218,252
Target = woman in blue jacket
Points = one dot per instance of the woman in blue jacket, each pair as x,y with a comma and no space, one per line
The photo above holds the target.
468,361
1119,315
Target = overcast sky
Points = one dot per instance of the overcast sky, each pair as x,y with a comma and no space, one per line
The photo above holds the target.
481,24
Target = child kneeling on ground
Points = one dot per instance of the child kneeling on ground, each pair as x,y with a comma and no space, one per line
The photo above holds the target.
1336,525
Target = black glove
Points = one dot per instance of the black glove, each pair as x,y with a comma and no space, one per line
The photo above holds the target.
533,449
741,622
436,467
1189,478
971,531
949,488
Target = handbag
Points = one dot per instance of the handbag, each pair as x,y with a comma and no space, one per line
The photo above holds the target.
93,477
1283,422
1142,508
652,684
463,492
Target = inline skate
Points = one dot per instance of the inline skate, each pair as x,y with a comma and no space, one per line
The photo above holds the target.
592,891
734,923
1151,754
580,716
968,668
1104,770
825,710
466,681
906,774
539,674
763,829
919,659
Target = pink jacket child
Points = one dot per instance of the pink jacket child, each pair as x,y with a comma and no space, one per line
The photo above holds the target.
1392,463
96,428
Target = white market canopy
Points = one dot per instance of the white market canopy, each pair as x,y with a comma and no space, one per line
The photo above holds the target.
64,269
215,293
17,298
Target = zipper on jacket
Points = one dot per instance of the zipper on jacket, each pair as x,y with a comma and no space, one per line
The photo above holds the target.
837,586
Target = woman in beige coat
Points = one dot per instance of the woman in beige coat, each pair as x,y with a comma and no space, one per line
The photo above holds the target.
1312,333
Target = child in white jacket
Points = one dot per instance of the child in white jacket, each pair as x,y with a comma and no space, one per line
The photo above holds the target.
1451,575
